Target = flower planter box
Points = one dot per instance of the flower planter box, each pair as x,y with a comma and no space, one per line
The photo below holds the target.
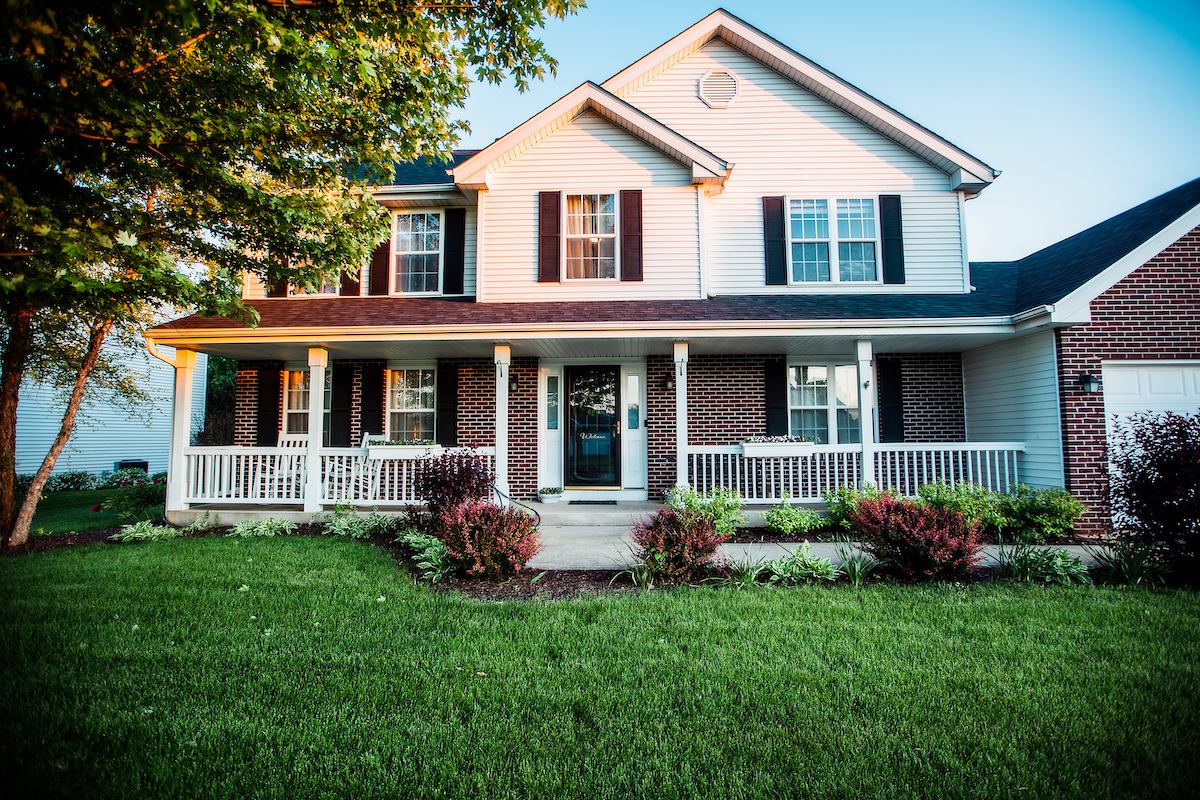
549,498
401,452
776,449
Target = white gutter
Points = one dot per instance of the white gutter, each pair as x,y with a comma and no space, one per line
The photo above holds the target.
153,350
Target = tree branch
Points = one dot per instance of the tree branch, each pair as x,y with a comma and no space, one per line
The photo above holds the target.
189,43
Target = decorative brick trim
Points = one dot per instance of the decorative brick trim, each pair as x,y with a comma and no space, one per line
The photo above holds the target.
1154,313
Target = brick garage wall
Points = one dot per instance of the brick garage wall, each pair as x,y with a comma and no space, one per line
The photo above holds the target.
932,385
1152,314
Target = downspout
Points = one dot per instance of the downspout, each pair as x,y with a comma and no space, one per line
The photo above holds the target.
153,350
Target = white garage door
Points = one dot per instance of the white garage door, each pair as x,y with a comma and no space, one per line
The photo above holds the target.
1149,388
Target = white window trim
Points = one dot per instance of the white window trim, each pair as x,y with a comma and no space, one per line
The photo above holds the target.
831,405
326,418
394,253
396,366
835,270
562,258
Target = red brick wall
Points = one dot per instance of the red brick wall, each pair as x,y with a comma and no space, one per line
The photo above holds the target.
727,399
245,407
1152,314
476,402
932,384
660,425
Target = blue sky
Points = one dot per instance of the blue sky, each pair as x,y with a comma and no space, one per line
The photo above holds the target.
1088,108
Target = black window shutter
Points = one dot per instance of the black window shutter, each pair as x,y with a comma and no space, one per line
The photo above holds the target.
278,285
775,241
549,235
339,405
350,286
891,399
631,235
777,385
447,404
372,401
454,251
270,386
891,231
381,264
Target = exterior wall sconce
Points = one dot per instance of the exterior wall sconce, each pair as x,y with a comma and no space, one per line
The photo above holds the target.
669,384
513,383
1088,382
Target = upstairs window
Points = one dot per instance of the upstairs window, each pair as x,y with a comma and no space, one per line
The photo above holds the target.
812,240
591,236
417,253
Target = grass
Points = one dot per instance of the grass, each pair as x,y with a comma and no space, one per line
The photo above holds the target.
71,512
297,667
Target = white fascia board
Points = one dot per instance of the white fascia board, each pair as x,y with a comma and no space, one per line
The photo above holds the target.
601,330
781,58
473,172
1076,306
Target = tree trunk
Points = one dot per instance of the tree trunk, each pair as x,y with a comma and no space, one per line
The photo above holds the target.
20,531
12,371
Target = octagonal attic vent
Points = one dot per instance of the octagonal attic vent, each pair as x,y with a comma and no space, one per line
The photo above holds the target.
718,88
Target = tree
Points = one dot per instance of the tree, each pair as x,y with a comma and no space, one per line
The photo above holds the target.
152,153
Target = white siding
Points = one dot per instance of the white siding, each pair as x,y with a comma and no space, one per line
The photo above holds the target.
590,155
784,140
105,433
1011,395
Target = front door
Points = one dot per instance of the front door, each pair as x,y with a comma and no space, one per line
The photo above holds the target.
593,446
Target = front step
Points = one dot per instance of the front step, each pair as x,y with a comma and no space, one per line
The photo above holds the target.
564,515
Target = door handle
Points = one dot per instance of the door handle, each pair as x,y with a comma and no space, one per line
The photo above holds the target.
617,430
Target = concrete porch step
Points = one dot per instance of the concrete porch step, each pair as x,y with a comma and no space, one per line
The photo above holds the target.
622,514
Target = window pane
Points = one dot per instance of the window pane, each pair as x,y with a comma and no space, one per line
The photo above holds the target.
633,403
856,261
856,219
810,262
808,386
297,391
552,402
847,385
417,273
811,423
810,219
849,431
406,426
593,257
417,241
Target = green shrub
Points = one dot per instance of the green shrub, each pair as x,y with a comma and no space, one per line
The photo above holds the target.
973,501
1127,560
486,540
722,506
789,520
452,479
921,541
857,562
121,477
263,527
345,521
429,554
133,498
801,567
676,546
1023,563
147,531
845,500
1034,515
77,481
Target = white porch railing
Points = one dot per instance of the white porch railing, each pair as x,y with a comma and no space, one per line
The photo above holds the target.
252,475
899,467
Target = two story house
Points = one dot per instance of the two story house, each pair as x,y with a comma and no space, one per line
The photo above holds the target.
723,242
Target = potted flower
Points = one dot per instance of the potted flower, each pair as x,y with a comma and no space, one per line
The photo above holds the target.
403,449
550,494
776,446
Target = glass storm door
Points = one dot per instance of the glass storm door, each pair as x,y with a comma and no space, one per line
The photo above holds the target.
593,427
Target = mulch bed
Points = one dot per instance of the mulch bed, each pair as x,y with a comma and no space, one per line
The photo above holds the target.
764,536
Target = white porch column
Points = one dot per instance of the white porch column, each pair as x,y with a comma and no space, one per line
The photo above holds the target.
503,358
681,414
317,360
181,430
866,409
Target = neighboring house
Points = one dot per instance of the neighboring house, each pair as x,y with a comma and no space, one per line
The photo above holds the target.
107,433
721,241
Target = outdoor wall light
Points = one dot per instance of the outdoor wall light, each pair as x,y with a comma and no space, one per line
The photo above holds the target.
669,384
512,382
1088,382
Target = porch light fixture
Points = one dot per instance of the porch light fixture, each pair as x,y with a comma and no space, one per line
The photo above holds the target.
512,382
1088,382
669,384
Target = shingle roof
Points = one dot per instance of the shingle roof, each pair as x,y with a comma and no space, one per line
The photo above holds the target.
1049,275
421,172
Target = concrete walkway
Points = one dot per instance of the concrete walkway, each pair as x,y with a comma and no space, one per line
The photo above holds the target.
597,537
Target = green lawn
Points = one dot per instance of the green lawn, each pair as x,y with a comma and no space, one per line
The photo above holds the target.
299,667
68,512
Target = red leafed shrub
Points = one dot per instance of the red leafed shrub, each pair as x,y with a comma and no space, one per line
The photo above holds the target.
922,541
676,546
486,540
450,479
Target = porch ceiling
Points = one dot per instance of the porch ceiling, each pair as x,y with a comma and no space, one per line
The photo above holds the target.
593,345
